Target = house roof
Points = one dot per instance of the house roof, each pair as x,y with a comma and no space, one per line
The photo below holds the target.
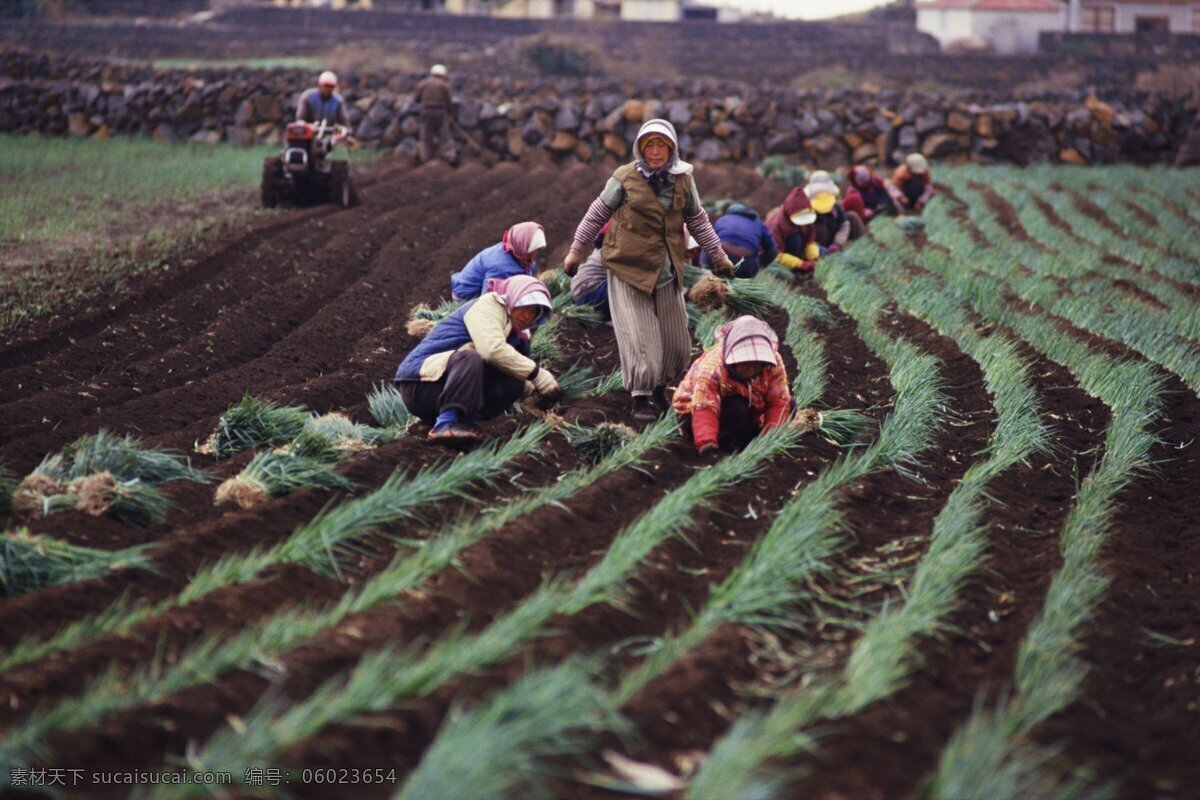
996,5
1138,2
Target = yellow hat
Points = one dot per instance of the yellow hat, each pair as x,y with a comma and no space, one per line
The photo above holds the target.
824,202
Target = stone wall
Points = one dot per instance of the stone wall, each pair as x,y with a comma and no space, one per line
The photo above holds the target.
592,118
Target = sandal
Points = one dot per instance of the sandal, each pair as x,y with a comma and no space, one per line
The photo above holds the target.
455,434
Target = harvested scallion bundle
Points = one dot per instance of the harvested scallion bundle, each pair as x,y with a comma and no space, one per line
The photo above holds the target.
30,562
252,423
596,443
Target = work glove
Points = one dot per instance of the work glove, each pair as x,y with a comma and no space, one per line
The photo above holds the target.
546,385
868,214
812,251
572,261
833,248
789,261
723,267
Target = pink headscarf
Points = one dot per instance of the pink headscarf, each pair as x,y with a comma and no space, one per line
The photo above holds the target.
517,240
747,338
514,288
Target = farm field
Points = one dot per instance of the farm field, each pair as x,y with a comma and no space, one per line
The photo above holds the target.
105,211
993,592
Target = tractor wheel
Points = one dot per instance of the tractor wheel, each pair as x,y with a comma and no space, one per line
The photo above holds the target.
271,179
341,188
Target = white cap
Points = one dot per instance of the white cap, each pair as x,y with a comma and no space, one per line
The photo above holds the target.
537,241
438,69
328,78
917,164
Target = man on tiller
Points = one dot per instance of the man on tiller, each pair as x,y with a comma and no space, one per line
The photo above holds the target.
323,103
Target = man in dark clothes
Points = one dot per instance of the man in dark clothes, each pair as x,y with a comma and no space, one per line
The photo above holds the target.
433,94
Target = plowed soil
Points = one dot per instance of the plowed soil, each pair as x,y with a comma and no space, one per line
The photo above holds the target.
309,307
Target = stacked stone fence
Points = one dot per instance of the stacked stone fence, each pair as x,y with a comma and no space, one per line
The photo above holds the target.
595,118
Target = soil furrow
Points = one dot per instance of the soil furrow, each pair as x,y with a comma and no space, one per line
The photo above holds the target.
675,579
903,737
166,311
293,341
691,706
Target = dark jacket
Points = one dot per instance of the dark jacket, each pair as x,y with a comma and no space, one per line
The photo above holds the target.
433,92
744,237
829,227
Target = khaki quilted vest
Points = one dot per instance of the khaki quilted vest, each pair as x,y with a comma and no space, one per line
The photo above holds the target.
642,233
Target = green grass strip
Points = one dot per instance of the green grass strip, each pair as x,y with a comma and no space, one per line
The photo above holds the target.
1093,307
29,562
413,674
767,587
886,653
1174,232
401,497
989,755
220,654
500,749
1183,312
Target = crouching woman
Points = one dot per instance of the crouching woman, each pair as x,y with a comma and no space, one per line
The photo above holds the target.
736,389
474,364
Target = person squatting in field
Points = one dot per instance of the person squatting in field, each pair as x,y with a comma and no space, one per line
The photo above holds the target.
745,239
323,103
433,96
736,389
515,254
792,227
835,227
912,184
476,362
644,251
867,195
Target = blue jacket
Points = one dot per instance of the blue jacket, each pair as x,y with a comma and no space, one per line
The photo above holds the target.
448,335
312,108
493,262
741,228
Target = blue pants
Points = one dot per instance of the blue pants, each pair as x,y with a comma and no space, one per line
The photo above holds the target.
598,297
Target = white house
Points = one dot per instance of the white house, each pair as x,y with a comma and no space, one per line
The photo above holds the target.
644,10
1009,26
1142,16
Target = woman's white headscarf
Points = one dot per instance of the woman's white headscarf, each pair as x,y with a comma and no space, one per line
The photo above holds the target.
675,165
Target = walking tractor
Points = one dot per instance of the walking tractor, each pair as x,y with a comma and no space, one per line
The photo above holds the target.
305,172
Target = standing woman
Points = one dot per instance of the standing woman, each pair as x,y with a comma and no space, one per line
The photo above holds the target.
649,200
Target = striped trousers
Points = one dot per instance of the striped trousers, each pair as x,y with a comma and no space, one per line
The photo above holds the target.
652,334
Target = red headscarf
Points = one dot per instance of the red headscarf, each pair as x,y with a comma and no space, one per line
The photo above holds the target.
781,225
